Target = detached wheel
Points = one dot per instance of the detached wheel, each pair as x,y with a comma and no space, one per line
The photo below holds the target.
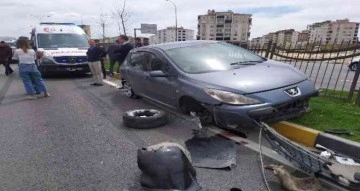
144,118
353,66
129,92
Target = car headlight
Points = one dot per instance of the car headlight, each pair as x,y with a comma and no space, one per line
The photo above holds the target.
231,98
46,60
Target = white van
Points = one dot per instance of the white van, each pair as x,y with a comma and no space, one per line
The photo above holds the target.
64,46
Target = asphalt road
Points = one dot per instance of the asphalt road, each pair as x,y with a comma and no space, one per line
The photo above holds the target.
75,140
328,75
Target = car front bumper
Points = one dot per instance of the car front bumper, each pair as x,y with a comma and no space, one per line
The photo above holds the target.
278,107
64,68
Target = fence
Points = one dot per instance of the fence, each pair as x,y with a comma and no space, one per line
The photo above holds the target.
325,64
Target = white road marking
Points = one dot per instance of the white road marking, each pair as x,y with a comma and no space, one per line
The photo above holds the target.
112,84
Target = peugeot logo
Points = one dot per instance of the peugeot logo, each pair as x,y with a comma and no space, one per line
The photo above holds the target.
72,59
293,92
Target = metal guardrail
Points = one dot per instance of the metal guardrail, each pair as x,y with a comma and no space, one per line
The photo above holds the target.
326,65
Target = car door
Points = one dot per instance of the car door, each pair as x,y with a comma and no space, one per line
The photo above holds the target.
136,71
162,89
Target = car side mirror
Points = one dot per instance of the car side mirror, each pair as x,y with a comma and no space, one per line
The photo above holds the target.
157,73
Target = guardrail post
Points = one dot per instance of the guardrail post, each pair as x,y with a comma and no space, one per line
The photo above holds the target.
272,50
268,48
353,86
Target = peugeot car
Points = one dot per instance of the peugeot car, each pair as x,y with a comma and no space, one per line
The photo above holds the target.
232,85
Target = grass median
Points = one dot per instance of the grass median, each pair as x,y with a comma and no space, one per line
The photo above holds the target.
329,113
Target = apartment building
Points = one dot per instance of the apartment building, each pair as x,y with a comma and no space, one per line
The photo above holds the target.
169,35
87,29
284,37
304,36
224,26
334,32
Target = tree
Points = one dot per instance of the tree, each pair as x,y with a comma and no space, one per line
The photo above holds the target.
121,17
102,23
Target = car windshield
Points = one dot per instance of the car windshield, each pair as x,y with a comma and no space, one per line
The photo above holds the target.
12,44
212,57
62,40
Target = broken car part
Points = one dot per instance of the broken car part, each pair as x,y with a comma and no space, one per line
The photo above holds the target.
167,166
144,118
210,151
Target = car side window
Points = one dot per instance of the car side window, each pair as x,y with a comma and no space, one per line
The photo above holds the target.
157,63
139,60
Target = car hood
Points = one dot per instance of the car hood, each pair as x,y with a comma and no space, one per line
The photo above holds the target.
252,78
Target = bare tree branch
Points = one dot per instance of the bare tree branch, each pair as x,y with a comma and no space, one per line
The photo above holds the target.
102,22
121,17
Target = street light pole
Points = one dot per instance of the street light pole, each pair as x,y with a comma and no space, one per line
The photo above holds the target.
176,32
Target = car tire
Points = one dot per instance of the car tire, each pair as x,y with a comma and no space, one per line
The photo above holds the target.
144,118
129,92
353,66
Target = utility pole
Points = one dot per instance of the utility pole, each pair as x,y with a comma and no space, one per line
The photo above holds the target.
176,28
103,28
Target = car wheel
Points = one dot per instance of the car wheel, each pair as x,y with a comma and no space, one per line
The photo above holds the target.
144,118
188,105
129,92
353,66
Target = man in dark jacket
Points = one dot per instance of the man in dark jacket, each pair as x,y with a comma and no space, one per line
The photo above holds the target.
5,57
112,56
124,49
94,54
138,42
102,59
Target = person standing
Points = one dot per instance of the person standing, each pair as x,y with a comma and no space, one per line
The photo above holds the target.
146,42
28,71
124,49
102,58
138,42
6,57
94,54
112,56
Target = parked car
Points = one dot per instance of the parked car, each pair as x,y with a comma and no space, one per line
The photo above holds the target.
232,85
354,63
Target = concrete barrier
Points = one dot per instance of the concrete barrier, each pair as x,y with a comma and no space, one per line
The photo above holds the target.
297,133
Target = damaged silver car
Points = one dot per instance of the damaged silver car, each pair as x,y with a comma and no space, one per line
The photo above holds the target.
231,85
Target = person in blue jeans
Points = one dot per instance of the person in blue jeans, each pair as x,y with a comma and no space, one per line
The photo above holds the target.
28,71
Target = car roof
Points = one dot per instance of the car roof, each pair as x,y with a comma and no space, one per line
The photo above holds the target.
181,44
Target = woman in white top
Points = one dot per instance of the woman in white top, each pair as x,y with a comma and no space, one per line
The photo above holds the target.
28,71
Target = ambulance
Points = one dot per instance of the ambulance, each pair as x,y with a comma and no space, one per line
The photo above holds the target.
64,46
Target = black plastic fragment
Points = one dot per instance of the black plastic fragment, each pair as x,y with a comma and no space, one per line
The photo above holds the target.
167,166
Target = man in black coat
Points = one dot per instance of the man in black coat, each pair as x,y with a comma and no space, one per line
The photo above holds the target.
94,55
124,49
5,57
112,56
102,59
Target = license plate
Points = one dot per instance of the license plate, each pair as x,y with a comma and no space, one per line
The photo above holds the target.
73,69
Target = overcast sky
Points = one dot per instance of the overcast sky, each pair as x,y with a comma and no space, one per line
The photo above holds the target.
19,16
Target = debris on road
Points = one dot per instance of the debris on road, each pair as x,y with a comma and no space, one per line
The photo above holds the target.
319,160
144,118
210,151
292,183
167,166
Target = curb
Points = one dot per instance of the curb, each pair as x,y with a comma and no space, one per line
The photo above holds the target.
297,133
310,137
